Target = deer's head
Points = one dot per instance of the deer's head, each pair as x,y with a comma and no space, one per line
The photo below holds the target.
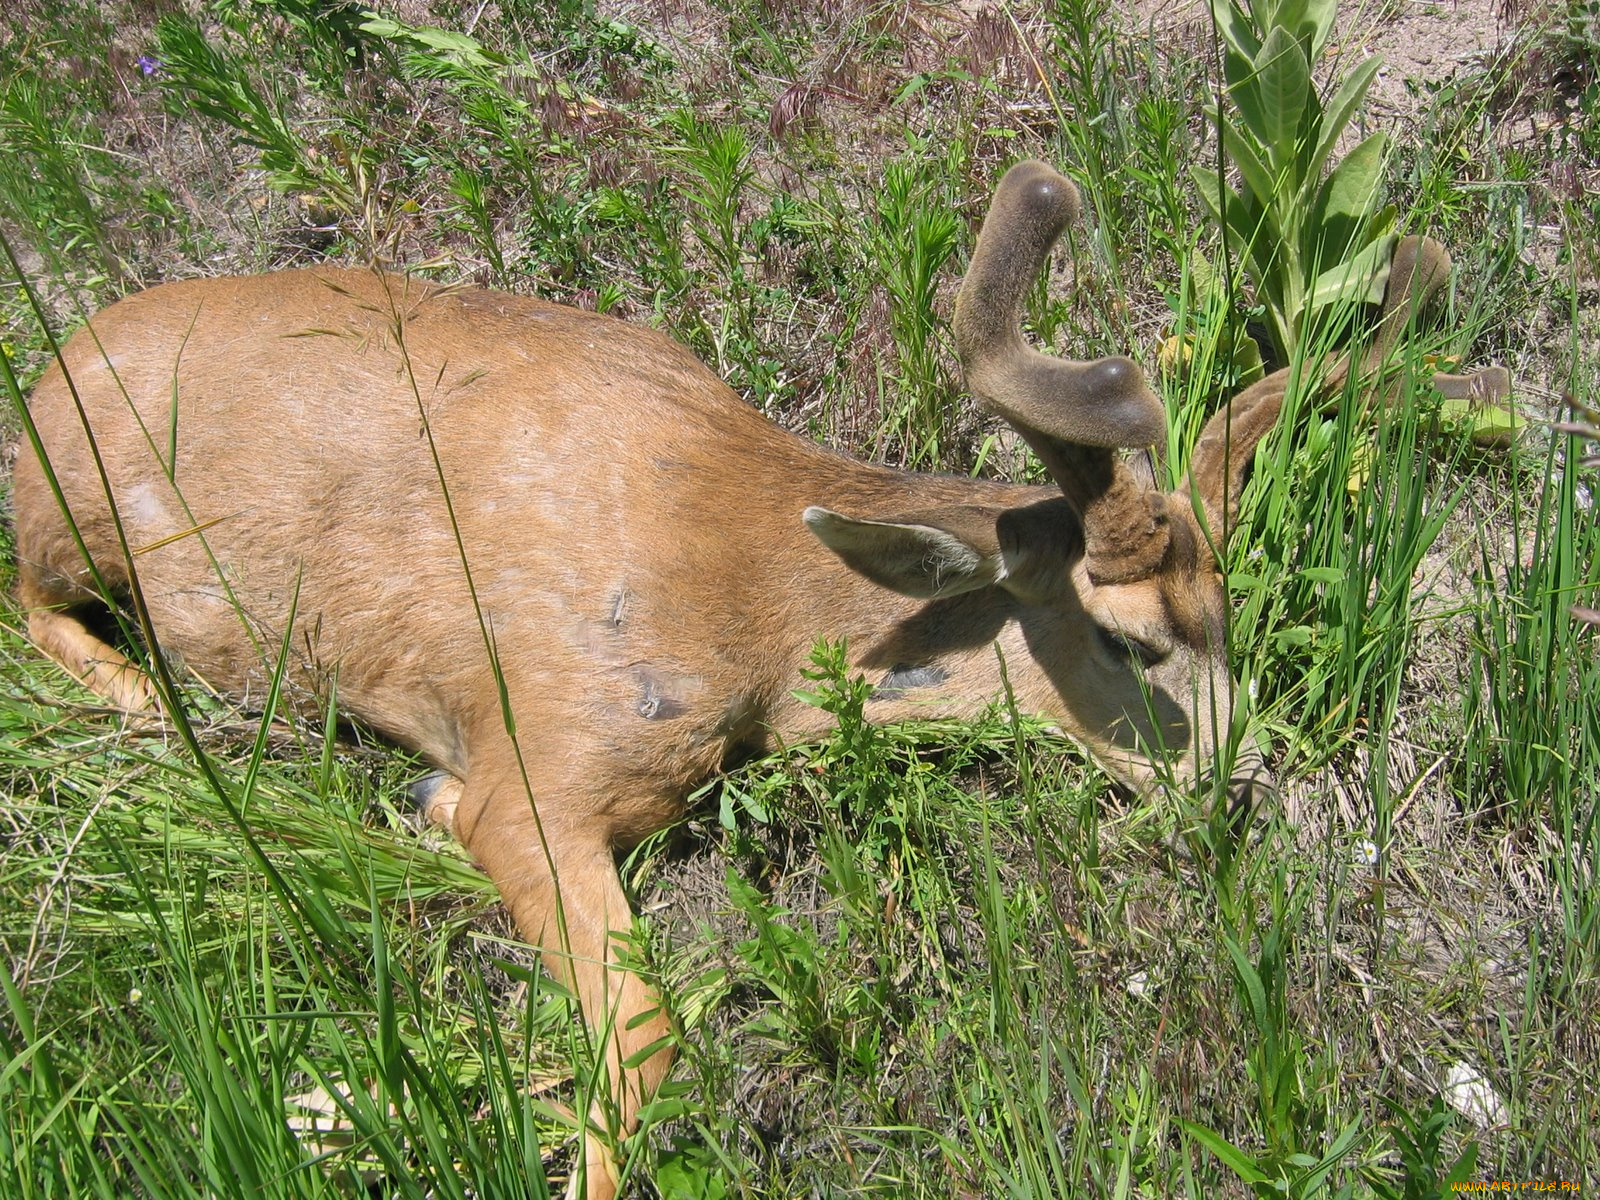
1117,584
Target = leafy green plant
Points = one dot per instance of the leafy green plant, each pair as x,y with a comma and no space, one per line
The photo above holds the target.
217,82
503,151
1298,1157
1338,528
642,221
1312,234
1097,136
331,33
1160,144
913,238
54,174
467,187
1419,1139
718,177
1533,729
297,1062
717,165
1208,352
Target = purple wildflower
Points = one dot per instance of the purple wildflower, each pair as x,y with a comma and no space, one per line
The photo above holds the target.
148,65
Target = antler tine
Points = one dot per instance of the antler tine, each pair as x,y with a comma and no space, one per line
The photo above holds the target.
1074,414
1102,402
1227,446
1421,267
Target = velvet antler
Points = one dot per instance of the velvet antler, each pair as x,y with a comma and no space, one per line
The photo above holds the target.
1075,415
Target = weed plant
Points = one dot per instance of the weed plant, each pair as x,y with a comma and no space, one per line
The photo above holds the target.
925,960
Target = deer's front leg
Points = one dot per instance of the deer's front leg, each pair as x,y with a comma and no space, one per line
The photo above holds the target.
558,877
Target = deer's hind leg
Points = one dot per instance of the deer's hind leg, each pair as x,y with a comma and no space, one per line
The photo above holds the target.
558,877
62,635
436,797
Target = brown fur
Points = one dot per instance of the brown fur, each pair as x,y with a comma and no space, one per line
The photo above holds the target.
630,543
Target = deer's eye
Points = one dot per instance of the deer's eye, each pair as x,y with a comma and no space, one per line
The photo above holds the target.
1127,648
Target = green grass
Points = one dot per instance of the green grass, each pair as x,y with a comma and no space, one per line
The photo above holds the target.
926,960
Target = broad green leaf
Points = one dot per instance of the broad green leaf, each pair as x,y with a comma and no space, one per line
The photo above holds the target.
1286,14
1311,1182
1310,21
457,46
1493,427
1253,234
1381,228
1200,276
1248,227
1341,218
1238,36
1340,110
1462,1169
1296,635
1320,15
1247,221
1231,1156
1354,280
689,1170
1353,186
1247,360
1211,187
1283,82
1241,38
1245,89
1257,176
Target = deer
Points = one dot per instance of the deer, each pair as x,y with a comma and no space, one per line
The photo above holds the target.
555,555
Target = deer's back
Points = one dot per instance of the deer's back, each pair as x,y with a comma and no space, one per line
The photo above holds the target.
276,444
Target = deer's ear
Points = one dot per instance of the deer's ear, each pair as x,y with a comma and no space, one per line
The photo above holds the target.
1038,544
925,555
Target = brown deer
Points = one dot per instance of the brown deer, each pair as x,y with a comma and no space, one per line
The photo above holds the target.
557,556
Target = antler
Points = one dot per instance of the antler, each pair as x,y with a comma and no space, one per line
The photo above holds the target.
1075,415
1227,444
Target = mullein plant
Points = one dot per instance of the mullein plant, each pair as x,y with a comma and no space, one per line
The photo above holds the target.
1311,232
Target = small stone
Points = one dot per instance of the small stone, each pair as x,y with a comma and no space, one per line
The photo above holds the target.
1469,1093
